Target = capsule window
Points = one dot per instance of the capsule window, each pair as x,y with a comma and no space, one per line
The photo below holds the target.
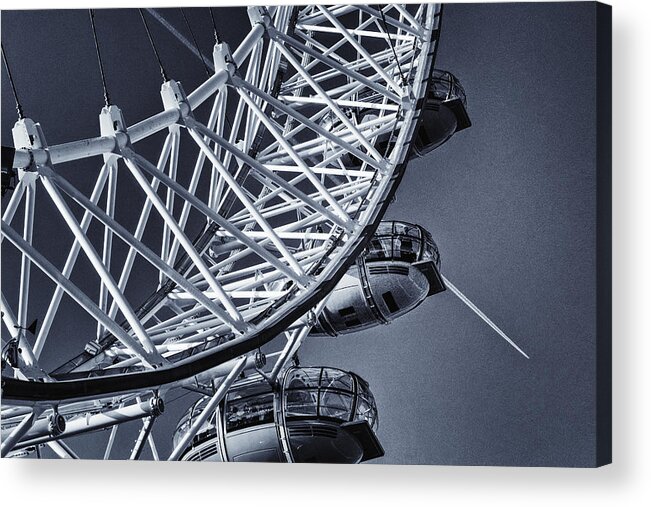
349,310
406,249
390,302
301,403
335,404
349,315
250,411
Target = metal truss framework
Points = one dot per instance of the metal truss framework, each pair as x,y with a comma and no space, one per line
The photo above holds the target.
297,141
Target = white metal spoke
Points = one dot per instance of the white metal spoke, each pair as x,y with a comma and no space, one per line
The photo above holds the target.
237,190
208,410
361,50
108,235
142,223
196,175
308,123
169,200
25,265
390,20
211,215
82,299
298,160
14,202
67,269
236,318
102,271
344,119
330,62
148,254
262,170
62,449
22,428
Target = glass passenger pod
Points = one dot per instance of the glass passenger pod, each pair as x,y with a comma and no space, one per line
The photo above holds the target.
402,241
410,243
444,113
398,270
330,415
326,414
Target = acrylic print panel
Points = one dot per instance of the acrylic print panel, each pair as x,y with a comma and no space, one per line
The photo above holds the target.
343,234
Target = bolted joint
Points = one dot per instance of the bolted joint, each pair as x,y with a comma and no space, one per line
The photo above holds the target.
111,121
260,360
311,318
28,135
56,424
174,97
157,406
223,58
407,101
122,141
112,124
259,15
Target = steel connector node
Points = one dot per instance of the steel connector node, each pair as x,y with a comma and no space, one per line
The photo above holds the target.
157,406
56,424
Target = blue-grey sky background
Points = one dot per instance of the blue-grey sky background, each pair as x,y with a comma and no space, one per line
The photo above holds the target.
510,202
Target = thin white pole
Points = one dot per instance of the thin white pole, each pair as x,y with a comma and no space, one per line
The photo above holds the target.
169,198
126,309
143,435
236,318
139,247
360,49
108,235
142,223
25,264
224,386
22,428
482,315
75,293
16,197
111,440
62,449
240,155
212,215
239,192
290,151
194,182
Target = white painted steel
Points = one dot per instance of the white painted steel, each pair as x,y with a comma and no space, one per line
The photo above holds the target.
295,182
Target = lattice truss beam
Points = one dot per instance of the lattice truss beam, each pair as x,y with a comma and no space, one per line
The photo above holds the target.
266,179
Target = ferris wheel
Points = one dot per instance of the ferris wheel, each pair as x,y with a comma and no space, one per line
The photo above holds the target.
269,180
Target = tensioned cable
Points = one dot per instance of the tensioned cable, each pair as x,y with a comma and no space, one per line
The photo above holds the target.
194,39
218,39
153,46
19,108
107,99
196,46
393,49
214,26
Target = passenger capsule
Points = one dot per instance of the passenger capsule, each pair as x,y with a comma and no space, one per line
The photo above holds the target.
396,272
312,415
444,113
